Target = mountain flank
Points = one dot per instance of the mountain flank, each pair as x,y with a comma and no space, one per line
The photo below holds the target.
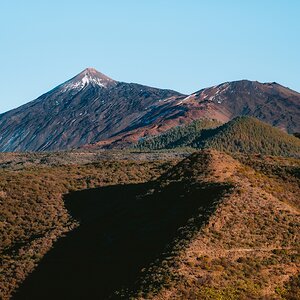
269,102
230,255
83,110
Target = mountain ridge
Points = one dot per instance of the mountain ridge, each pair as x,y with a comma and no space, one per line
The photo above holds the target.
76,112
93,110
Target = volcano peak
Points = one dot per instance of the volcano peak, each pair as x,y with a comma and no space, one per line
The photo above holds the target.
89,76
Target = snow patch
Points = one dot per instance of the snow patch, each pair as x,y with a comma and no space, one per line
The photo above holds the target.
188,97
86,80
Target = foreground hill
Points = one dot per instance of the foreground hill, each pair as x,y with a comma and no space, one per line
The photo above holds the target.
249,247
92,110
206,227
33,211
242,134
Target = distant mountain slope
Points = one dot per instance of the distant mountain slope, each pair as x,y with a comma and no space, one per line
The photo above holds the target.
83,110
242,134
269,102
92,110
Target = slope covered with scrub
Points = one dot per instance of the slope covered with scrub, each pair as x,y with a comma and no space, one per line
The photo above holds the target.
179,136
33,211
242,134
209,226
248,248
247,134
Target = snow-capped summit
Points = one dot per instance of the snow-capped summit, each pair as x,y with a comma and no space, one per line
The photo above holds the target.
88,76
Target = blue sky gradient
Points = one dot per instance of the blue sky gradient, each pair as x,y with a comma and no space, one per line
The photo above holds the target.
181,45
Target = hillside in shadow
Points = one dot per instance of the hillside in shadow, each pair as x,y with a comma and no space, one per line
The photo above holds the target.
123,229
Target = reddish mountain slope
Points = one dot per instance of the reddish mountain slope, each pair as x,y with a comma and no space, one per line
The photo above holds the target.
268,102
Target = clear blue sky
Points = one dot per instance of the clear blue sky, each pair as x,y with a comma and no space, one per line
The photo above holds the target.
182,45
